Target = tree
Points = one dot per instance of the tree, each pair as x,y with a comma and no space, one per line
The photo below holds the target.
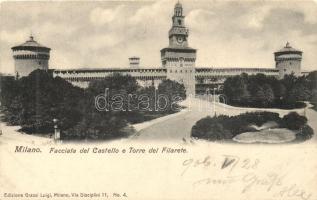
266,91
9,89
108,123
289,81
312,80
235,88
115,83
299,93
269,95
313,97
144,94
172,88
259,97
171,93
38,98
279,91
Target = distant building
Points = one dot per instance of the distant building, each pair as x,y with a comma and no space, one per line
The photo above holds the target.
178,63
30,56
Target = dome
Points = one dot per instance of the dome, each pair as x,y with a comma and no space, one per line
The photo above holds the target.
31,43
288,49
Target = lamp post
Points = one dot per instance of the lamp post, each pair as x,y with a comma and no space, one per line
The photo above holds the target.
214,99
57,134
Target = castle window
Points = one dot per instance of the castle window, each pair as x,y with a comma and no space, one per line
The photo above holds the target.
179,22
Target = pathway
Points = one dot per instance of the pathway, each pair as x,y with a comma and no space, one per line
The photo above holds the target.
179,126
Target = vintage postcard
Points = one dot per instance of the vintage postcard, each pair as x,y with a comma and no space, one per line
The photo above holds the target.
158,100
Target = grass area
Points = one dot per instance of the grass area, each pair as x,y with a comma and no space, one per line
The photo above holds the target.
271,136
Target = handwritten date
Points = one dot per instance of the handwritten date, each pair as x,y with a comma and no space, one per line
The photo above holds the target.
229,162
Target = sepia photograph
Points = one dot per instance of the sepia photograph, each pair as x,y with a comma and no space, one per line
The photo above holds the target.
164,99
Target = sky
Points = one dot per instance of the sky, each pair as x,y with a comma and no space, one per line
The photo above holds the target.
104,34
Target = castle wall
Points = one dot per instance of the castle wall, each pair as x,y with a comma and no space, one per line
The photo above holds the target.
228,72
81,78
194,79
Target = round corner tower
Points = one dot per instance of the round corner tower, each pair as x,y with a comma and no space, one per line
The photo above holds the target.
288,61
30,56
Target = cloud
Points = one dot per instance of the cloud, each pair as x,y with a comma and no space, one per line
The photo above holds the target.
157,11
201,20
254,19
13,36
308,8
50,29
100,16
97,42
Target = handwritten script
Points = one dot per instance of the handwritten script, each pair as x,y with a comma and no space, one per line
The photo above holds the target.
245,173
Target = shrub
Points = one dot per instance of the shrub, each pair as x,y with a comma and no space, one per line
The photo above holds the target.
225,127
305,133
211,129
218,132
293,121
259,118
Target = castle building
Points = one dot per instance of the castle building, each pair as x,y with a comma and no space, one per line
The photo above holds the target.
178,63
30,56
